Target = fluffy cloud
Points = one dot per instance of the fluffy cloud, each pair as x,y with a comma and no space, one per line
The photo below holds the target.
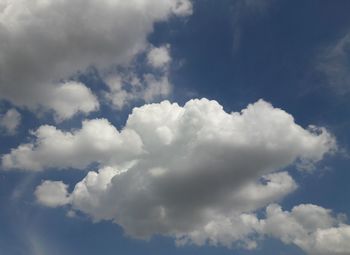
43,42
69,98
258,140
196,172
312,228
52,194
159,57
10,121
96,141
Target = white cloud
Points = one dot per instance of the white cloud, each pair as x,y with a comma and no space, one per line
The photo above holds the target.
190,170
10,121
43,42
156,87
52,194
125,88
159,57
97,141
128,86
312,228
161,134
183,8
70,98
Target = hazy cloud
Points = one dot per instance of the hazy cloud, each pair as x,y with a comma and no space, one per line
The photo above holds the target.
159,57
10,121
334,63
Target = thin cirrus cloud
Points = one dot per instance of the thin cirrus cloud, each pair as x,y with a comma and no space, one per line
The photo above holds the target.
334,62
195,170
40,47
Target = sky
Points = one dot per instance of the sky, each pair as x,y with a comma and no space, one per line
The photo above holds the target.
174,127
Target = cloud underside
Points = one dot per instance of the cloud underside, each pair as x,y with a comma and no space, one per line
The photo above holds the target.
196,173
41,49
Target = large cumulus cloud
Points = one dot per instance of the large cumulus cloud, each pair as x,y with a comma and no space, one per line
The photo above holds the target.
196,172
45,42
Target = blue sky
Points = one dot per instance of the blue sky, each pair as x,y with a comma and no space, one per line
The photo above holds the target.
83,172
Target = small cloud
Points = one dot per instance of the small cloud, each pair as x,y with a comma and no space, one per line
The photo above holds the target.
10,121
159,57
334,63
130,85
52,194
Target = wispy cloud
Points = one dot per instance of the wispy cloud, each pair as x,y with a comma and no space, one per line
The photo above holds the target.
334,64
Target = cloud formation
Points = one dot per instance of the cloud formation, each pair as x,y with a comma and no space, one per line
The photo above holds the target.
97,141
10,121
159,57
128,85
312,228
185,172
166,135
334,63
52,194
69,98
40,46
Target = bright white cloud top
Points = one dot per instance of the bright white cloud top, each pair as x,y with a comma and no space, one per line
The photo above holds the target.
198,138
40,47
